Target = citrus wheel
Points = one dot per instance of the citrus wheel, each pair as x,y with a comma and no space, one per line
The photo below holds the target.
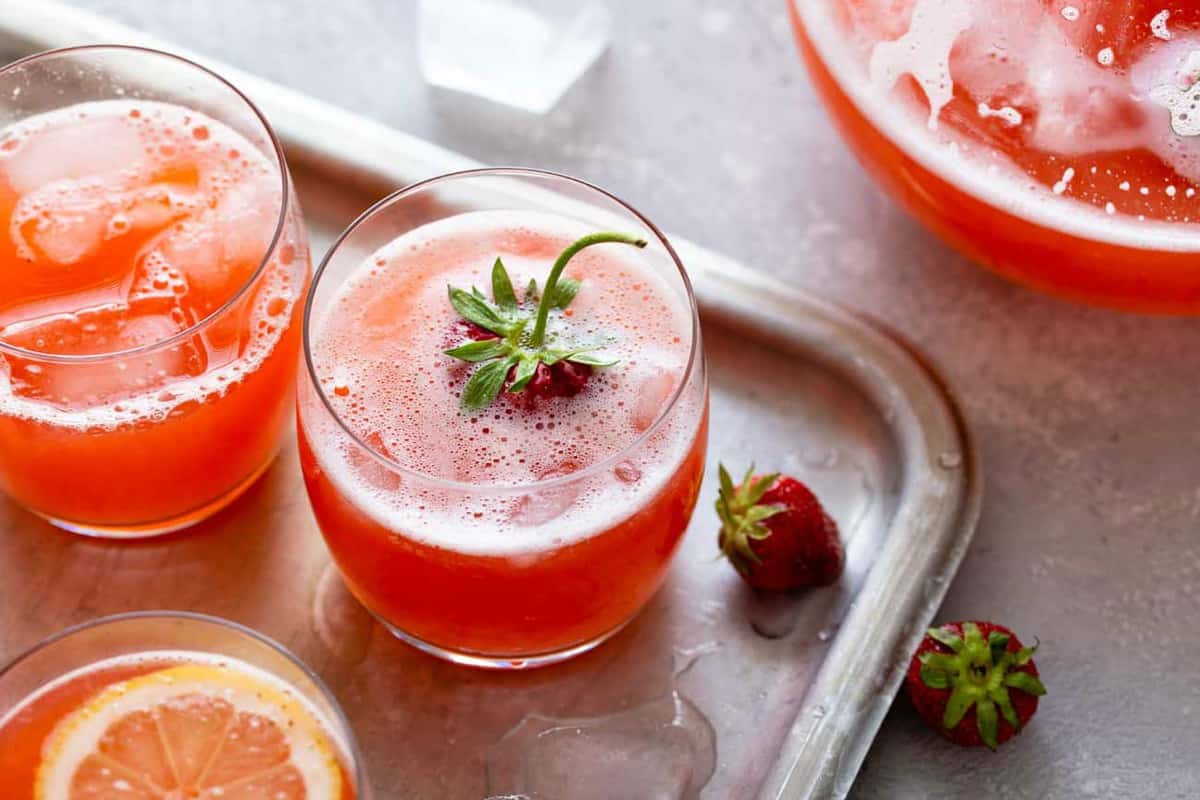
191,732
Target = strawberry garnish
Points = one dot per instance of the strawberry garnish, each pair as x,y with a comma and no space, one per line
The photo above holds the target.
974,682
776,534
521,352
563,379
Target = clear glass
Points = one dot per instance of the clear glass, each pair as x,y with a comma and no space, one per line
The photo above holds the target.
155,417
147,633
522,53
537,600
1048,140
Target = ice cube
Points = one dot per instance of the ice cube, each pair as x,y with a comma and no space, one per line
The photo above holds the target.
369,468
543,505
217,250
66,221
93,145
522,54
662,750
105,329
63,226
651,397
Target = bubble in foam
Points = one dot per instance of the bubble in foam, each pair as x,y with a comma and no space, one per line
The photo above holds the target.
1070,13
1105,56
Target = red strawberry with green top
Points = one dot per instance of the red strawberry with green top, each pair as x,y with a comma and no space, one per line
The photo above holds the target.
776,534
526,347
562,379
974,682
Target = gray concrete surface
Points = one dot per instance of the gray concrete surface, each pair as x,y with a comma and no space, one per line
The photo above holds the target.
701,114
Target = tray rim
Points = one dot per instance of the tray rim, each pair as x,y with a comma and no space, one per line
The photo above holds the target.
928,536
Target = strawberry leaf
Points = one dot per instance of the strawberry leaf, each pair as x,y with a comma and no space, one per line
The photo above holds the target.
1024,682
973,636
486,383
934,678
960,702
943,662
726,481
475,351
1025,654
757,488
1000,697
591,359
531,291
757,514
998,643
479,311
525,372
945,637
985,720
502,288
566,291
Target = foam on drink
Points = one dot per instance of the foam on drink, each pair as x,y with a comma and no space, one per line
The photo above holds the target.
129,222
1020,91
377,352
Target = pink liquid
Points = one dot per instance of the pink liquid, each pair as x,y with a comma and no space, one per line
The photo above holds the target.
485,566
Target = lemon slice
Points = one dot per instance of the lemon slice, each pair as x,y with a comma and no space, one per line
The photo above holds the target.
192,732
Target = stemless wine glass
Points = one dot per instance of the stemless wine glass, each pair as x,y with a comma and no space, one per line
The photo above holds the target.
151,261
146,658
488,537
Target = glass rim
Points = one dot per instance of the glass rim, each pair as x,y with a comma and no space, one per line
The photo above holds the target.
339,716
272,246
694,354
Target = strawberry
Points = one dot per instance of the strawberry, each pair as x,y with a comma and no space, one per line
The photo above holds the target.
512,341
563,379
776,534
974,682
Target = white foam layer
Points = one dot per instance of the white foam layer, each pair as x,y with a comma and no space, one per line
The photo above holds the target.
221,214
413,416
1023,43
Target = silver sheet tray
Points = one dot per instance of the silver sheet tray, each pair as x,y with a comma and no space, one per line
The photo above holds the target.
713,692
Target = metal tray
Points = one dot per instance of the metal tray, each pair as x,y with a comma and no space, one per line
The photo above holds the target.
713,692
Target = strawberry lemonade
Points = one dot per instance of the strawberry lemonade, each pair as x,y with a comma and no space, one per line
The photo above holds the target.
170,724
1055,140
150,267
497,497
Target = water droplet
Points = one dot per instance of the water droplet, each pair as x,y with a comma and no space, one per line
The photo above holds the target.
627,472
950,460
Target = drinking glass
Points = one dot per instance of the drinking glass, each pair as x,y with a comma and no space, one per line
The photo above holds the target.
541,570
149,315
64,672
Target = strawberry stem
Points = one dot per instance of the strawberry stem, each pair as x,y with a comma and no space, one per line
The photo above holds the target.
550,289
